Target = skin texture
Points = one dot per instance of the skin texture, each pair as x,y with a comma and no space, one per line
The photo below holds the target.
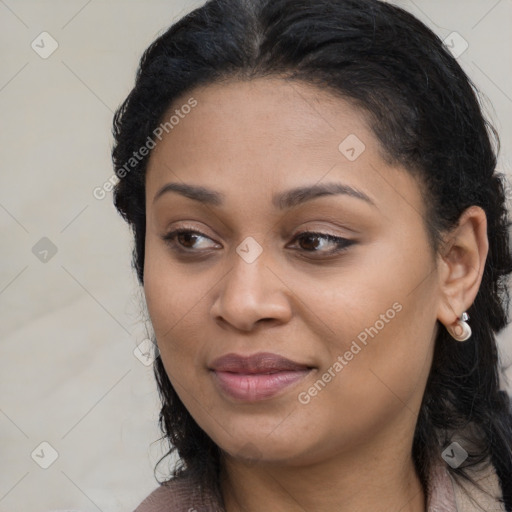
349,447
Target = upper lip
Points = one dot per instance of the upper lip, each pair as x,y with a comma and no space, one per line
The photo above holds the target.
263,362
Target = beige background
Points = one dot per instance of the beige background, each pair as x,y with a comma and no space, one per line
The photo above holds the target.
69,326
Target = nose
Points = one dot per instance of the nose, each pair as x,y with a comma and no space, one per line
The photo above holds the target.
251,293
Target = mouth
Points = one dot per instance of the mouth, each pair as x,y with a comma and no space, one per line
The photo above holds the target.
257,377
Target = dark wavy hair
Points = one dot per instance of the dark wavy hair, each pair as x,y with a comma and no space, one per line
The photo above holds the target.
425,112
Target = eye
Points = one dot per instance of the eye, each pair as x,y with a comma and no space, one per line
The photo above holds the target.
186,240
318,242
190,241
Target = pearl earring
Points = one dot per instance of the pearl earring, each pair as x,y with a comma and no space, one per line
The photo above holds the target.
462,330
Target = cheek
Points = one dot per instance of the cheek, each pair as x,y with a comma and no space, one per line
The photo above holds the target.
174,301
376,329
375,384
168,290
175,309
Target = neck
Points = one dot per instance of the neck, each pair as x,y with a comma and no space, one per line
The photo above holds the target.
357,481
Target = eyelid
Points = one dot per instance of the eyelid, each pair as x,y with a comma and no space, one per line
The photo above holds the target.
185,229
341,244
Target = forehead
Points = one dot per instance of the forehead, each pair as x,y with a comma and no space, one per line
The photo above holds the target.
268,134
269,111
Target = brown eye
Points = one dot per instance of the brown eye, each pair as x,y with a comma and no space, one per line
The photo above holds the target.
315,242
186,240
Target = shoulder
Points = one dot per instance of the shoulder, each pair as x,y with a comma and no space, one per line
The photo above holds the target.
180,494
448,493
486,496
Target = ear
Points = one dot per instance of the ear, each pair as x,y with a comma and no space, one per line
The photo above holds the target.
461,265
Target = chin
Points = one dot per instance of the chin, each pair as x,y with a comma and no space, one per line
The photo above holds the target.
256,445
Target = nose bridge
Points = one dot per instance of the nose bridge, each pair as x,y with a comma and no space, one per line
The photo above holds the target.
251,291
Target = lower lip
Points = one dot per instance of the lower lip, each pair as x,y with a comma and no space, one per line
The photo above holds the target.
257,386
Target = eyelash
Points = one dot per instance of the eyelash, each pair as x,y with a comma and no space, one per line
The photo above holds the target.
342,244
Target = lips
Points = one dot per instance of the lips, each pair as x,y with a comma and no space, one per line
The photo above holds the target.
257,377
264,362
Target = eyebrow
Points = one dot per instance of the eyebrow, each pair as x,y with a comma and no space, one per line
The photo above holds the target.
283,200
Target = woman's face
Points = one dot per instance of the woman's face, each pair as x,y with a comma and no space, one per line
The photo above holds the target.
351,308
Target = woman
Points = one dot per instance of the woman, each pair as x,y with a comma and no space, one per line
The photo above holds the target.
322,239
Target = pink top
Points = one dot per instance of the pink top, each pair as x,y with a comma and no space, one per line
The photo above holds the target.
446,495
